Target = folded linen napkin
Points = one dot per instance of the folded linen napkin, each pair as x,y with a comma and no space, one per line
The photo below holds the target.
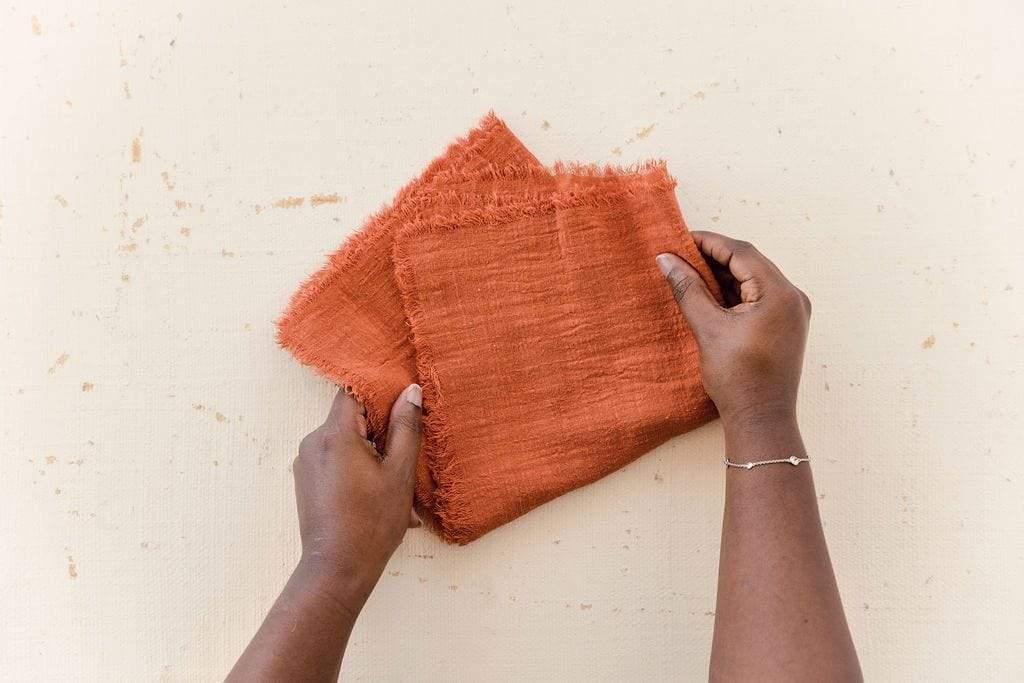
527,303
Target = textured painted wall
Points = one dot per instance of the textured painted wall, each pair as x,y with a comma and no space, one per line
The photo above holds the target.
159,173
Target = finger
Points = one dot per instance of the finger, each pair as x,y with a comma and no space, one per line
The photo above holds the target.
690,292
405,430
743,260
347,414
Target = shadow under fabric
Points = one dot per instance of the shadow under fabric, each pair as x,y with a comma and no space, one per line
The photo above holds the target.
527,303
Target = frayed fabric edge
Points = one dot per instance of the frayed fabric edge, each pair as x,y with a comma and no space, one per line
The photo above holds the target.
444,506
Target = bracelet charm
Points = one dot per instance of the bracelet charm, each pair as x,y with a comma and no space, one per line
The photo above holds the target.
792,460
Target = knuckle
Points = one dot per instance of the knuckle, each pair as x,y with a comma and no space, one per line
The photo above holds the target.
794,298
332,440
310,442
806,301
744,247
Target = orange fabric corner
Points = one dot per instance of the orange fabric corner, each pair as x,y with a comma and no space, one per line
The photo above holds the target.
528,305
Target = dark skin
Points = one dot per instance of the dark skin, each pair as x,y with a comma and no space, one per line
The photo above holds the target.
779,616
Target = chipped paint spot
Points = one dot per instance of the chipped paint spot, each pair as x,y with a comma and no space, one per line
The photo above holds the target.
289,202
545,125
59,363
185,232
136,150
168,183
50,459
60,200
929,342
72,568
88,386
318,199
182,204
644,132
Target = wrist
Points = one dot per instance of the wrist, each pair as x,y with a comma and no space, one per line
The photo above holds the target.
759,417
344,588
763,435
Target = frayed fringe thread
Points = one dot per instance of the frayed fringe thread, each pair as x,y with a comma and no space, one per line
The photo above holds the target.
366,237
446,508
447,505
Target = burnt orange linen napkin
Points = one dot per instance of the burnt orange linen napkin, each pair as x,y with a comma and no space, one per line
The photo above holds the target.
527,304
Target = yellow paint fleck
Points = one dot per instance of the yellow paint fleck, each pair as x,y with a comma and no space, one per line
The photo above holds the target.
136,150
61,360
89,386
289,202
138,223
168,183
929,342
37,28
220,417
60,200
182,204
125,277
50,459
644,132
72,568
127,91
699,95
318,199
617,151
185,232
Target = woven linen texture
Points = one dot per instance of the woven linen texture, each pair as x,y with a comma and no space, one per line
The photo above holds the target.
527,303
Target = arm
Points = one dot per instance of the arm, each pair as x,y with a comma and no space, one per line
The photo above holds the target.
779,616
354,508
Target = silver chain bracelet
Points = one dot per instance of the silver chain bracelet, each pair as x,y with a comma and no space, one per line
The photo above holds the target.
792,460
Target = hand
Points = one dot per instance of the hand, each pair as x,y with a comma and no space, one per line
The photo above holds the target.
751,350
354,505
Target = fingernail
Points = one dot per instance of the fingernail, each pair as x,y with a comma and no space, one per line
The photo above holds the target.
664,263
414,395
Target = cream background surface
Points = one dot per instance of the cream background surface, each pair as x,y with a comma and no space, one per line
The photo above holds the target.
148,421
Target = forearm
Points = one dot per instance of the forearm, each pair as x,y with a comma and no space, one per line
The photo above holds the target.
305,633
779,614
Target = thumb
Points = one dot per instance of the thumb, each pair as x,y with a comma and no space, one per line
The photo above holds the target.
690,292
405,428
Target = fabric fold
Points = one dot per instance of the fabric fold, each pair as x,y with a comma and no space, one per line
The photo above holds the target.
527,303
